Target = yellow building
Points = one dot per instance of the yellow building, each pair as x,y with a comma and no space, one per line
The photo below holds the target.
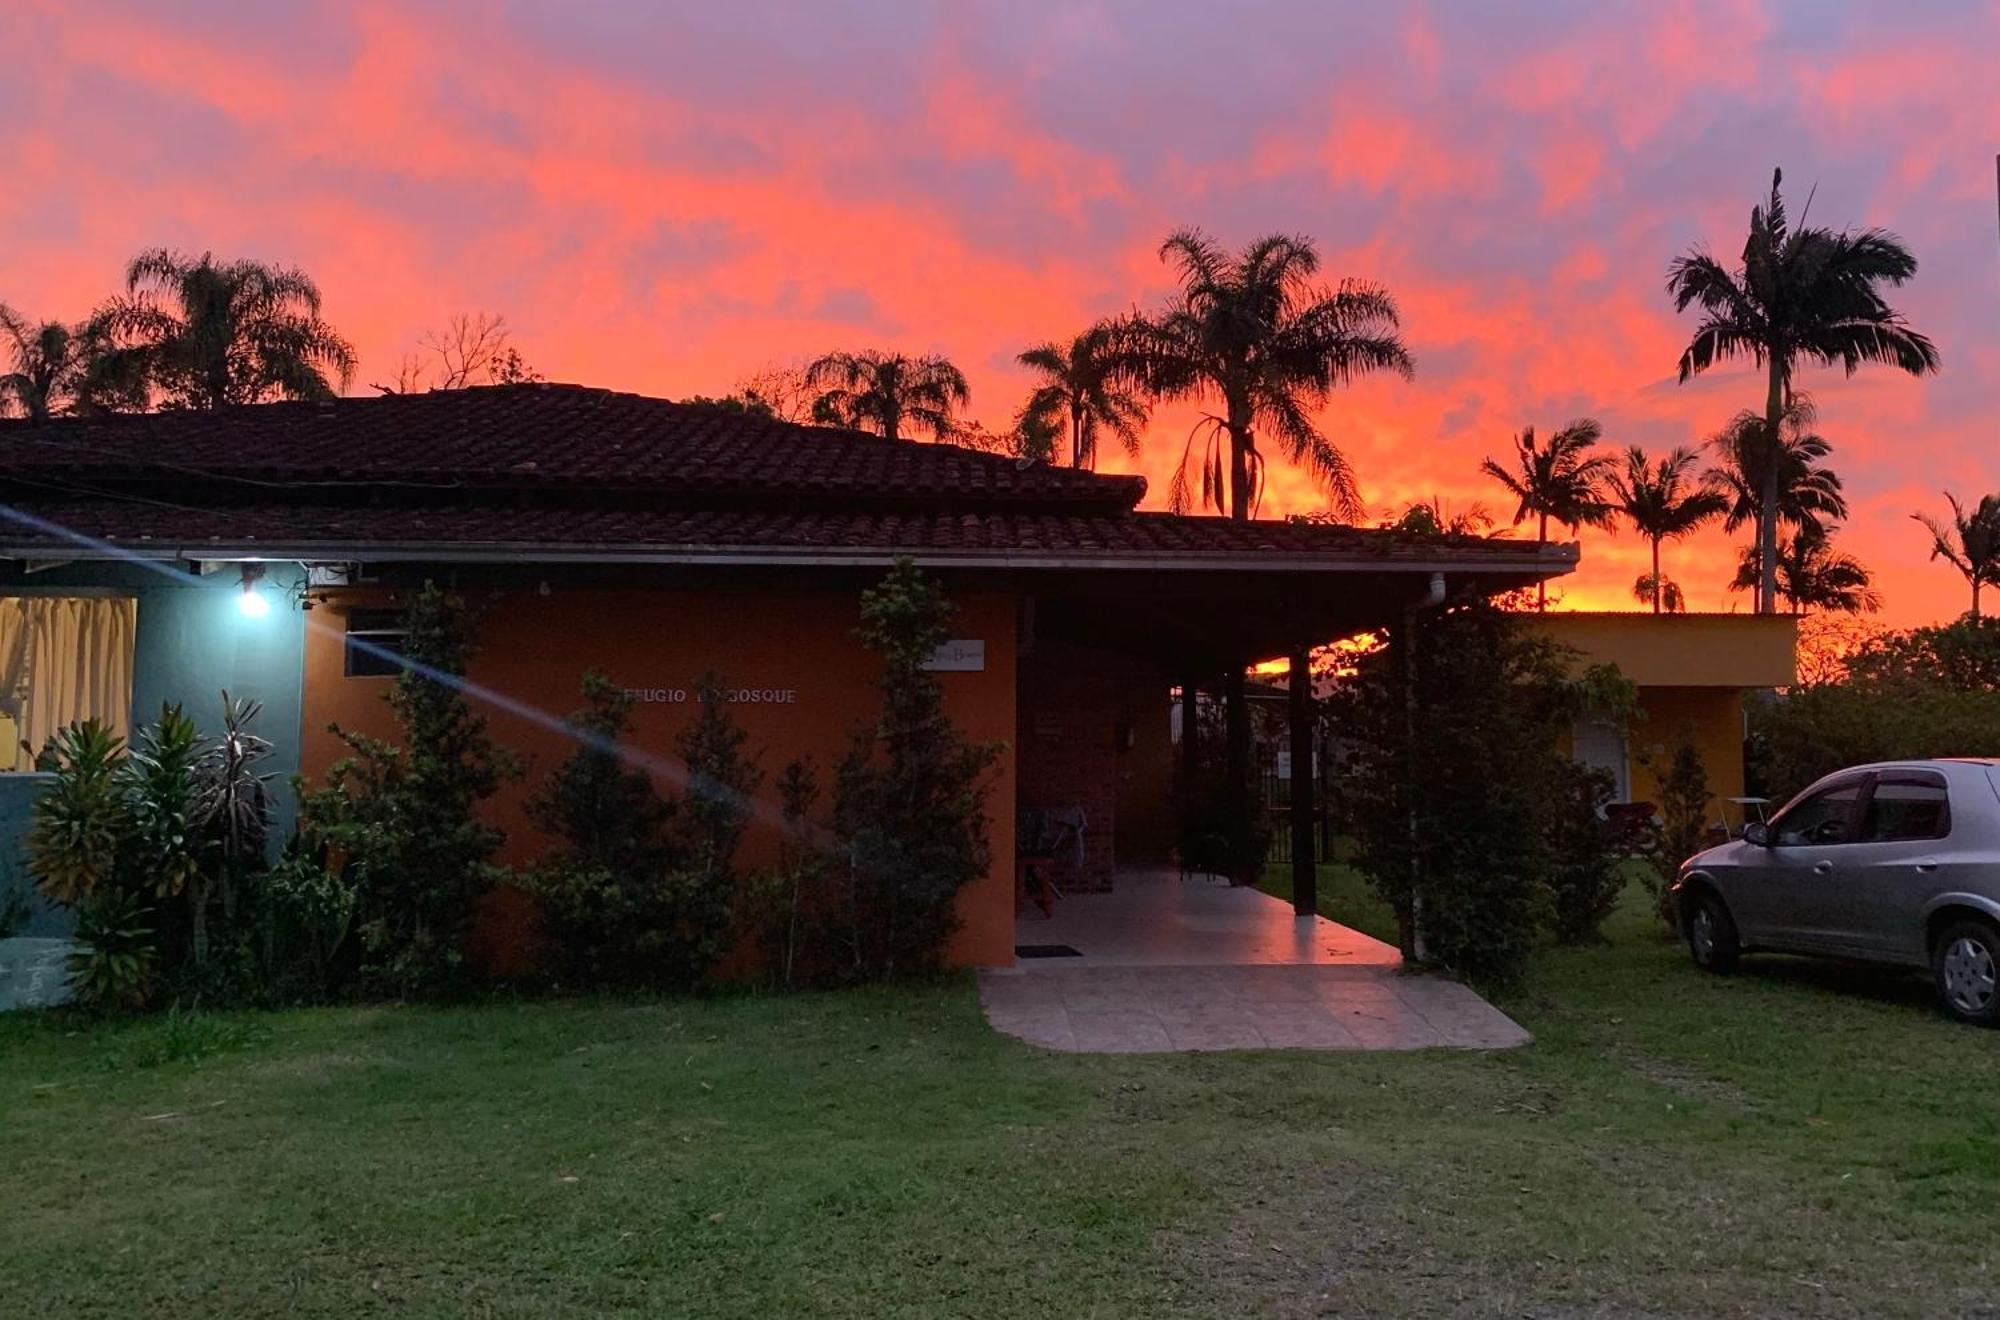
1692,671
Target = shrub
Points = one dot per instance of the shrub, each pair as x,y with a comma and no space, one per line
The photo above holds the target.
305,911
909,798
1683,825
794,907
405,818
1454,780
643,890
1584,880
77,826
114,962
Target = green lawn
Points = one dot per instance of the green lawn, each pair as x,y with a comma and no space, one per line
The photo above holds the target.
1798,1139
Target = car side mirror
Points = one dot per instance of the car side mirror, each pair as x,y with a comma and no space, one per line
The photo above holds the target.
1759,833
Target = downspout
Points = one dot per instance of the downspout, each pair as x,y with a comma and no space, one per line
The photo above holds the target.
1430,600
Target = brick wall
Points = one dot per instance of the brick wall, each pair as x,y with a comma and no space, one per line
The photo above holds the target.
1069,733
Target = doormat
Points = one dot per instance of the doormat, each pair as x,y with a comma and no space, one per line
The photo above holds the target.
1046,951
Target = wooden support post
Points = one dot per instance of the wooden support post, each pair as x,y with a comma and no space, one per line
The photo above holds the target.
1305,873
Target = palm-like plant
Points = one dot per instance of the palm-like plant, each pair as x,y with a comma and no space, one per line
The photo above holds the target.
213,335
1081,389
1801,295
1255,337
887,393
1748,464
1663,593
1562,481
1664,501
1812,575
1970,542
60,368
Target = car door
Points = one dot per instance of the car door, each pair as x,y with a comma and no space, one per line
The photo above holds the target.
1780,895
1899,858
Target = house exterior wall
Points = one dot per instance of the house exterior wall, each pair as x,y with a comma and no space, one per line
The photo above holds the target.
191,643
535,648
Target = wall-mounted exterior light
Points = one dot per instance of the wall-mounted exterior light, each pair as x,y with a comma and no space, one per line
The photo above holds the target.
252,600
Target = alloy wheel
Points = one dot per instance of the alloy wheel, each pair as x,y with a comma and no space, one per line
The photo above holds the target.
1969,981
1701,932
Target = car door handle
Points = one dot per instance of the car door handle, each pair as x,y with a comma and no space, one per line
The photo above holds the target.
1822,868
1925,868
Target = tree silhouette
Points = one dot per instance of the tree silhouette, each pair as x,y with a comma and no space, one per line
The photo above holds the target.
887,393
1801,295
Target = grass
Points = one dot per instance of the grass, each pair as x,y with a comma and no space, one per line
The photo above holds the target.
1799,1139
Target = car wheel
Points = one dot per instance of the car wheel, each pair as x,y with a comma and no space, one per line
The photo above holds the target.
1711,934
1966,959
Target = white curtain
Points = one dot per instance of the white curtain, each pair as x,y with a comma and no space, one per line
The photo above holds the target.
63,659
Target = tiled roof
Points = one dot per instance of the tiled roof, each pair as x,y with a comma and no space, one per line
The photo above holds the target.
534,437
377,531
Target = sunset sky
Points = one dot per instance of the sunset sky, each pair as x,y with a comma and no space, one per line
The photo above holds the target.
663,198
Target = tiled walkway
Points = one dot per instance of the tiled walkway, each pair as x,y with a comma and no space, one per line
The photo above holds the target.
1169,964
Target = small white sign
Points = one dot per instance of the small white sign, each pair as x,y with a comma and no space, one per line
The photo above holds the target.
960,655
1284,763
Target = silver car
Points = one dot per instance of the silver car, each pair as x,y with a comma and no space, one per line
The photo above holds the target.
1893,863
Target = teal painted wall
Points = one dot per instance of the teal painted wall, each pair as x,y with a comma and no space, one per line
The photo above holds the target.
193,642
17,797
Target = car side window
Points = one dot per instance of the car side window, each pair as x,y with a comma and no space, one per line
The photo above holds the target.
1907,804
1825,817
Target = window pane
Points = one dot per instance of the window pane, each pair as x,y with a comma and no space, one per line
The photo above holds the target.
1907,807
1821,818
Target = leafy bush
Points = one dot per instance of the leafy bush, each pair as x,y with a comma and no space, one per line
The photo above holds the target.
909,798
115,959
77,826
305,911
794,907
643,890
1454,782
1682,830
1905,695
1584,880
405,818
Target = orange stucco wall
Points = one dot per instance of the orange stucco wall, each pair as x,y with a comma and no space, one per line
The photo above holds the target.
534,648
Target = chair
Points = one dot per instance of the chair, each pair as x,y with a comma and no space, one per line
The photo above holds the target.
1044,838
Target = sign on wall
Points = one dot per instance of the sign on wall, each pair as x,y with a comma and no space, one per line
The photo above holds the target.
960,655
735,696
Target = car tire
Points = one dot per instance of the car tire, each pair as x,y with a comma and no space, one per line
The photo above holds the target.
1965,959
1711,933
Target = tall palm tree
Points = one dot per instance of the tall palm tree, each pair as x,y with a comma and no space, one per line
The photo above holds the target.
1809,493
1562,481
1664,501
212,335
1801,295
60,369
887,392
1081,385
1812,575
1970,542
1254,337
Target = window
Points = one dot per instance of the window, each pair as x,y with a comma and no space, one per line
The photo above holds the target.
374,640
1825,817
1601,745
63,659
1907,804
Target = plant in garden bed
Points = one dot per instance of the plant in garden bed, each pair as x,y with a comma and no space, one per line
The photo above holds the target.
404,819
909,798
1682,829
1466,814
643,889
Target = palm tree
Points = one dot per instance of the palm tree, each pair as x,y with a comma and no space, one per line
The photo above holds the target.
1255,337
1812,575
1804,295
1663,592
1664,501
59,369
214,335
1971,542
887,392
1562,481
1809,494
1081,385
